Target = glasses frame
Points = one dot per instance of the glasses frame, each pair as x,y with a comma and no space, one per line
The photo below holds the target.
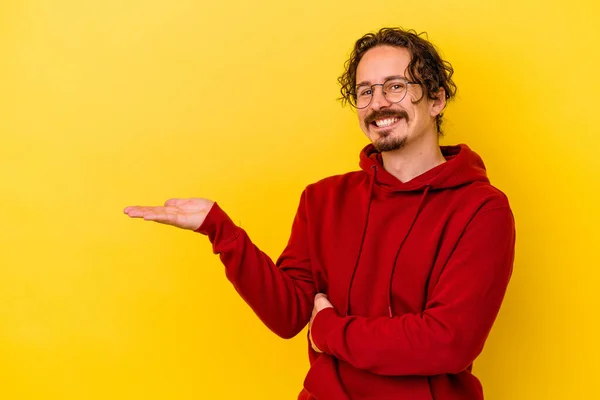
354,103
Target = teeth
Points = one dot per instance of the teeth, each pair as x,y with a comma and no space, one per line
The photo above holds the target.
385,122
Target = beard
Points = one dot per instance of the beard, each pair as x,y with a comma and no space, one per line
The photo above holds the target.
386,141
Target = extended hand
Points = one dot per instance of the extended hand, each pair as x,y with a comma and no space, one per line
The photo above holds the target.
321,302
182,213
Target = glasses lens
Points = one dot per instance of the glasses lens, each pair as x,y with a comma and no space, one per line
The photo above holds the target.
364,94
363,101
395,90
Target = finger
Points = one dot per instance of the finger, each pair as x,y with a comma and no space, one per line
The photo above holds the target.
312,343
139,211
163,217
130,209
135,212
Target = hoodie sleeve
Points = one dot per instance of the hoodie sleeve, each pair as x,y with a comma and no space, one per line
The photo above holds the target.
450,333
280,293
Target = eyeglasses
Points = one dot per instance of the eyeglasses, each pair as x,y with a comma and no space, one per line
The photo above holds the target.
394,90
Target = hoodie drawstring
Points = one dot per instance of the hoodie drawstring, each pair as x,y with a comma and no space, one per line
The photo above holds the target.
371,185
419,208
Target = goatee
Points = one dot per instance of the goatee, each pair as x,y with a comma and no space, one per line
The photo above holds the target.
386,142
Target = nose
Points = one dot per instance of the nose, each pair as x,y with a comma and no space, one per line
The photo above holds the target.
379,101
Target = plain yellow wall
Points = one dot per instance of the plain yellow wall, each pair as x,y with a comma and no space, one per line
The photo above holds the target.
105,104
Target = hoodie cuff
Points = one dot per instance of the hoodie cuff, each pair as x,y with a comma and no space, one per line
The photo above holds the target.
219,228
325,321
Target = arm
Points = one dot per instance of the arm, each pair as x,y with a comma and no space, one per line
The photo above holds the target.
450,333
281,294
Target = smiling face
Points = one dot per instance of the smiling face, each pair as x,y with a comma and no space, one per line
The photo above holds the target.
388,125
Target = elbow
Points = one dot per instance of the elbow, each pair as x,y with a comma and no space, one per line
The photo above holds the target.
286,334
453,351
285,323
458,363
457,358
287,331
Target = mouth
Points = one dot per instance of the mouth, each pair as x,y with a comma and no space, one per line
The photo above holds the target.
385,123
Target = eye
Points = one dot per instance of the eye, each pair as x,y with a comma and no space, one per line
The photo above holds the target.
396,86
364,92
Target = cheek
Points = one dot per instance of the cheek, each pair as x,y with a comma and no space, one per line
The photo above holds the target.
361,117
361,123
413,110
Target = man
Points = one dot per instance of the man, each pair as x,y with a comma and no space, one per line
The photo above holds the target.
400,268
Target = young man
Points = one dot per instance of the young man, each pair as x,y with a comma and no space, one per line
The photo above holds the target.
400,268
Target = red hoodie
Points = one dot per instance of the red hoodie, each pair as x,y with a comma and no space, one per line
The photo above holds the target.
416,273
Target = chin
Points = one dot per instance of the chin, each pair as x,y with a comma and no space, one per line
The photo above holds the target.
389,143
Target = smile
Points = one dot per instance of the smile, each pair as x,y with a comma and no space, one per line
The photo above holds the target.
385,123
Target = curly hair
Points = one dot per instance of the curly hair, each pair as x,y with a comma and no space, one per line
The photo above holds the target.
426,66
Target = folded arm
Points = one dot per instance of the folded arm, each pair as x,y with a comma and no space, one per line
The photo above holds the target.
450,333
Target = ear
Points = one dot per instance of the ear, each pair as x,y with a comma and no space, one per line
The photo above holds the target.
439,103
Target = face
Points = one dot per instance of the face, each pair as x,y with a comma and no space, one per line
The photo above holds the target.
389,126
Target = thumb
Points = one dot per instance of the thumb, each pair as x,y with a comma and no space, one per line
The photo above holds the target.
320,296
175,202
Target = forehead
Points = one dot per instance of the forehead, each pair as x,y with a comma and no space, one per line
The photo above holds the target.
380,62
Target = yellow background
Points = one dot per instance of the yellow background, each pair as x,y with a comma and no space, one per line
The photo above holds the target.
105,104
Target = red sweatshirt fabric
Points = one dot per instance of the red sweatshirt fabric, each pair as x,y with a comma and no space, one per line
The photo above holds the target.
416,273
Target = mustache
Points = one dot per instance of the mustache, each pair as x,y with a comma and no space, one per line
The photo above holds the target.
381,114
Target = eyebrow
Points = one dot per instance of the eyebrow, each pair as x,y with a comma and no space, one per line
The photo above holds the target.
368,83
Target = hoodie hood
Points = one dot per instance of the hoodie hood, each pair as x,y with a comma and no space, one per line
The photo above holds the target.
462,166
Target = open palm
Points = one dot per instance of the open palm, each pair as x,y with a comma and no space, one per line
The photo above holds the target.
182,213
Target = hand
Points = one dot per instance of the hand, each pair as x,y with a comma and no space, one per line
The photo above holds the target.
321,302
181,213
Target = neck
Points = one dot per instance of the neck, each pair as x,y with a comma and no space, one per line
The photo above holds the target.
413,159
